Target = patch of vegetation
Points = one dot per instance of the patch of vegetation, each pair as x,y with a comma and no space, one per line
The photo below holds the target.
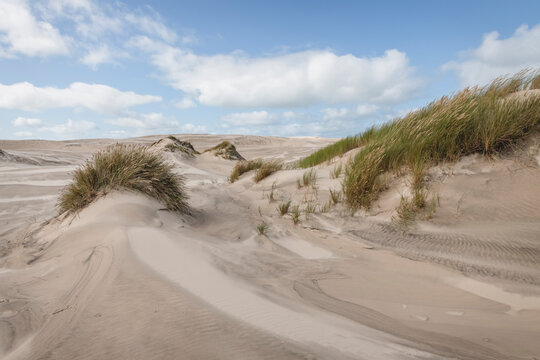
262,228
267,169
130,167
310,208
329,152
475,120
336,172
295,214
226,150
242,167
411,207
283,208
309,178
335,196
271,195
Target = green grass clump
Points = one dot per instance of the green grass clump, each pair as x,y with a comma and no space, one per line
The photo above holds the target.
262,229
340,147
309,178
283,208
295,214
267,169
130,167
335,196
336,172
242,167
411,207
475,120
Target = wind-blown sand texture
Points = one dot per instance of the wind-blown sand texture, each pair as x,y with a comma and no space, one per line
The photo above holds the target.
126,279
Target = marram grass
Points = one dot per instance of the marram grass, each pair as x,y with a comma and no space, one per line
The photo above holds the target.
483,120
130,167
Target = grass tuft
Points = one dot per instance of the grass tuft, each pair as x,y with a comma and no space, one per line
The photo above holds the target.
267,169
336,172
295,214
130,167
283,208
309,178
262,228
335,196
242,167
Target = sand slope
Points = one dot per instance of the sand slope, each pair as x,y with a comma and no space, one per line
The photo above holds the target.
126,279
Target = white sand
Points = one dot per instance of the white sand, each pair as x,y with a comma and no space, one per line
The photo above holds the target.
126,279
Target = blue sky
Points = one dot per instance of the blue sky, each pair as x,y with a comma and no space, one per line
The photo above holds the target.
90,68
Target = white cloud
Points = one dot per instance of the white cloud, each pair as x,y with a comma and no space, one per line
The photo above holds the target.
366,109
249,118
141,121
193,129
496,57
23,134
70,129
100,55
22,121
185,103
333,113
296,79
22,33
151,26
96,97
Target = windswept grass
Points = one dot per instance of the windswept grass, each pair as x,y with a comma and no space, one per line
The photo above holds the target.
267,169
130,167
335,196
242,167
336,172
475,120
340,147
283,208
309,178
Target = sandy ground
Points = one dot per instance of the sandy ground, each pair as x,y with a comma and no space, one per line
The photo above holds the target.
127,279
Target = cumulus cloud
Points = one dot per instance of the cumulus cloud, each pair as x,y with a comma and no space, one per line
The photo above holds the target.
22,33
296,79
22,121
142,121
249,118
334,113
366,109
70,129
101,55
496,56
193,129
151,26
185,103
96,97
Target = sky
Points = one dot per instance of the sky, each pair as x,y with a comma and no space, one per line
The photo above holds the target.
74,69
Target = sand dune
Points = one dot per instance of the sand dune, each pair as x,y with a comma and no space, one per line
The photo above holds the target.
125,278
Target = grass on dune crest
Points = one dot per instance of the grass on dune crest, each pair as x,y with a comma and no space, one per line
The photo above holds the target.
331,151
475,120
242,167
266,169
130,167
